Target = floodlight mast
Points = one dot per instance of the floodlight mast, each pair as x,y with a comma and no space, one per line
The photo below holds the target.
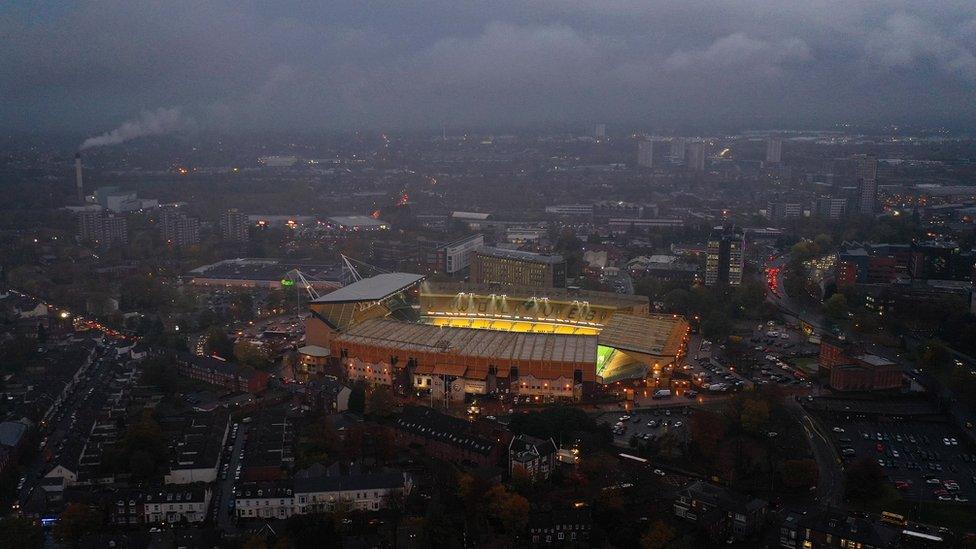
292,274
348,264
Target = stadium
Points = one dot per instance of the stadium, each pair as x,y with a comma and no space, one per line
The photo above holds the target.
455,339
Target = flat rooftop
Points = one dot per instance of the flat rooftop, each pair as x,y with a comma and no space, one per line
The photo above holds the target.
373,288
520,255
357,221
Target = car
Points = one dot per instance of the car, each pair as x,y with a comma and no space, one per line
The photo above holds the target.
946,441
961,499
677,424
652,423
945,498
953,441
659,472
933,481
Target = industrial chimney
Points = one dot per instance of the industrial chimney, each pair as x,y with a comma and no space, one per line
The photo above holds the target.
78,179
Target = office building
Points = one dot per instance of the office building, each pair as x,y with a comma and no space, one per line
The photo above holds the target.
784,210
774,149
517,268
725,258
579,211
696,156
102,229
831,208
234,226
179,230
678,148
645,153
866,171
457,254
606,210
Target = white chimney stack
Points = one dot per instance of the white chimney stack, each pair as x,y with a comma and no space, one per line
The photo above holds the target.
78,179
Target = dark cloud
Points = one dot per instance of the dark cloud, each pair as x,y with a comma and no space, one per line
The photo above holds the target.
91,66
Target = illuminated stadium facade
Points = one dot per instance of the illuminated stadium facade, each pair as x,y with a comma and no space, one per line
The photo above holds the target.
456,339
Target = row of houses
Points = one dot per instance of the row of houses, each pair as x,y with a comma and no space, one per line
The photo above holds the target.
219,372
356,489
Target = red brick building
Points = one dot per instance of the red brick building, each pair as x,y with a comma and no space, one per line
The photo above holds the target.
866,373
449,438
229,375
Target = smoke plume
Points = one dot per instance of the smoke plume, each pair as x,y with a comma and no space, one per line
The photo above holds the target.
155,122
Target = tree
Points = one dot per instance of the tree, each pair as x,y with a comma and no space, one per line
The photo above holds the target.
934,354
836,307
380,402
218,343
242,306
864,481
75,522
357,398
160,372
508,508
251,355
716,325
754,416
707,433
20,532
658,536
800,473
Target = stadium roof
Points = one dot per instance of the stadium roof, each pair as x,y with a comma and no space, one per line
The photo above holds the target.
472,343
374,288
594,298
658,335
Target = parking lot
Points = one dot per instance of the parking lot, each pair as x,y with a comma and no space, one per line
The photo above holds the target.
706,370
647,424
774,349
926,458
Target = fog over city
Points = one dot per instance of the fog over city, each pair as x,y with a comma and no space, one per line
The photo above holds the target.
667,274
90,66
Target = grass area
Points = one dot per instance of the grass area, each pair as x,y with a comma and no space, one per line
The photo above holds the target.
807,364
956,517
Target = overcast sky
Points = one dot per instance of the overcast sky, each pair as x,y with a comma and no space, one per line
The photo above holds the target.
90,66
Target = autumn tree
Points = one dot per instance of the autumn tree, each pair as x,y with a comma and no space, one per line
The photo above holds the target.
657,536
799,473
864,480
508,508
20,532
75,522
251,355
218,343
754,416
380,402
